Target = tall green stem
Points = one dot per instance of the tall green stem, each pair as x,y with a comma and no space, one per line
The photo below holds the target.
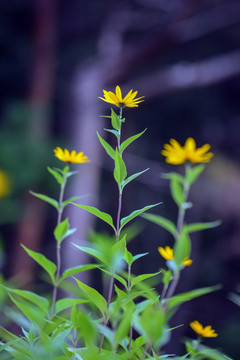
128,290
110,289
58,249
180,222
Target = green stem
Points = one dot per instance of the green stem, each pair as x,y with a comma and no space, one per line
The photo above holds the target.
58,249
180,222
110,289
128,290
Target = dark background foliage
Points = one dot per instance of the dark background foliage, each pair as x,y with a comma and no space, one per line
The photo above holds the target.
184,56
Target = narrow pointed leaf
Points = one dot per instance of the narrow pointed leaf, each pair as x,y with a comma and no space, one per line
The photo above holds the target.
121,280
56,175
127,142
96,298
120,171
173,176
109,150
177,192
182,298
64,304
142,277
35,315
189,228
72,199
45,198
138,256
38,300
61,230
163,222
91,251
100,214
77,269
182,248
193,173
132,177
136,213
45,263
116,123
114,132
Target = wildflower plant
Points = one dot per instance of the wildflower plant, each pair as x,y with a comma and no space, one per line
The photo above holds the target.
132,322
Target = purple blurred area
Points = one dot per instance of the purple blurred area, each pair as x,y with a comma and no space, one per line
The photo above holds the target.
184,57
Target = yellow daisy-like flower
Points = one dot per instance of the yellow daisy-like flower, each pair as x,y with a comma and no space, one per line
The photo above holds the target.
70,157
176,154
5,184
206,331
167,254
117,99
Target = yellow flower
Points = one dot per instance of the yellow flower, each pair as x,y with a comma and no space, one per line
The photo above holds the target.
71,157
5,184
206,331
167,254
117,99
177,154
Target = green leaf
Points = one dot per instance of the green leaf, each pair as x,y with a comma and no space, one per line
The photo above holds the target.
135,213
132,177
46,199
94,296
142,277
114,132
189,228
34,314
91,251
152,324
69,201
121,280
116,123
120,171
124,326
177,192
100,214
182,248
61,230
182,298
117,253
77,269
193,173
174,176
128,257
38,300
211,354
84,325
46,264
65,303
138,256
56,175
127,142
163,222
109,150
167,276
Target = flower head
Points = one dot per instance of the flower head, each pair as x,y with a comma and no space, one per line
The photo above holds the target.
206,331
117,99
5,184
71,157
167,254
177,154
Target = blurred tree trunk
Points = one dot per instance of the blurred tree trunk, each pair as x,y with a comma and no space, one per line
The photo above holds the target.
30,229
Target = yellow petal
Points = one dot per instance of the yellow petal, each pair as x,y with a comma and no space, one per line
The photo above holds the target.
187,262
190,144
119,93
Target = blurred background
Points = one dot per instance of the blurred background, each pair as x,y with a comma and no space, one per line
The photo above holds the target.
184,57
